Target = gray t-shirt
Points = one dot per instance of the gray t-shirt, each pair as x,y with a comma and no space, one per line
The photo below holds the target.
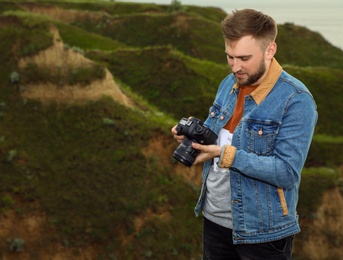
217,206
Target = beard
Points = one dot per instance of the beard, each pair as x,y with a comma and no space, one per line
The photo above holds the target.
252,78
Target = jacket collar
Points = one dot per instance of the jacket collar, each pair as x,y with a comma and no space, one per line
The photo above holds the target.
260,93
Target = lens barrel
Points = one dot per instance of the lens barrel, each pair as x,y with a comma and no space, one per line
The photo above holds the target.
185,153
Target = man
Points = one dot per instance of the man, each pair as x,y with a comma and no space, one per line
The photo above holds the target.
265,120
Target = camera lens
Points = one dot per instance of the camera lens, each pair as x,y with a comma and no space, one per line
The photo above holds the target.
185,153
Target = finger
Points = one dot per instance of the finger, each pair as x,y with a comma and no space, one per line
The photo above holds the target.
197,146
173,130
178,138
201,158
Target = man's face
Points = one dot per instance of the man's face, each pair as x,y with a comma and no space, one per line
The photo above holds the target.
247,61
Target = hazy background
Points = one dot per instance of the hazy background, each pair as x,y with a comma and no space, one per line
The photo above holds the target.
325,17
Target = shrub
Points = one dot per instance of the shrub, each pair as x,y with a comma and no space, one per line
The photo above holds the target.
175,6
16,244
15,77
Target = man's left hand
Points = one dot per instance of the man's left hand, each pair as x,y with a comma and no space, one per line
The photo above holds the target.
207,152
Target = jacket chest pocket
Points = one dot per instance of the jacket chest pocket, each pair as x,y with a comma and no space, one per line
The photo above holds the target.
261,136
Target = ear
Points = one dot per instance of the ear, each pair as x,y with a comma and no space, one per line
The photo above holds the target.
271,50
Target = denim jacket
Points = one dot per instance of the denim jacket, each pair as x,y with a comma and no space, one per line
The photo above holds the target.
272,141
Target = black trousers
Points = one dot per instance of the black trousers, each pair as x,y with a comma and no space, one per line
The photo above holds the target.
218,245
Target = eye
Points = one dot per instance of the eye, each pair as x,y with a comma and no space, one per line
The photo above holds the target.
245,58
228,56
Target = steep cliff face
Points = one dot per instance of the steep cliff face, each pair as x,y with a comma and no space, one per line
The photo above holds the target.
66,59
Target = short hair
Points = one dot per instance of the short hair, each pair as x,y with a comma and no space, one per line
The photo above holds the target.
249,22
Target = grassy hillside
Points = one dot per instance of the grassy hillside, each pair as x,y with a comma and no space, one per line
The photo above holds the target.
89,40
99,172
143,25
83,166
177,84
299,46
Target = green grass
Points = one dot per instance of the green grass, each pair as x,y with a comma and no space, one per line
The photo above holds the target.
61,76
16,40
113,8
169,80
84,166
90,177
161,29
299,46
314,182
326,87
325,151
74,36
122,8
22,26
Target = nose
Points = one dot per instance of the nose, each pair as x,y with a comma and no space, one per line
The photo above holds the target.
235,65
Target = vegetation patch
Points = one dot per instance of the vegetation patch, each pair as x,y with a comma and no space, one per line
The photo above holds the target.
315,181
74,36
167,78
83,76
19,28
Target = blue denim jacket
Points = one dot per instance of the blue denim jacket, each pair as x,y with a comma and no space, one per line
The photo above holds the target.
272,141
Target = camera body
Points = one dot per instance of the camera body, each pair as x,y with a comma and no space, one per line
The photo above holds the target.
194,131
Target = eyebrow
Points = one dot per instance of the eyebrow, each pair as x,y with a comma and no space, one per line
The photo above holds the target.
238,57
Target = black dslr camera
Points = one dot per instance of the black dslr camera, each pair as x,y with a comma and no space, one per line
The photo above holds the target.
194,131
